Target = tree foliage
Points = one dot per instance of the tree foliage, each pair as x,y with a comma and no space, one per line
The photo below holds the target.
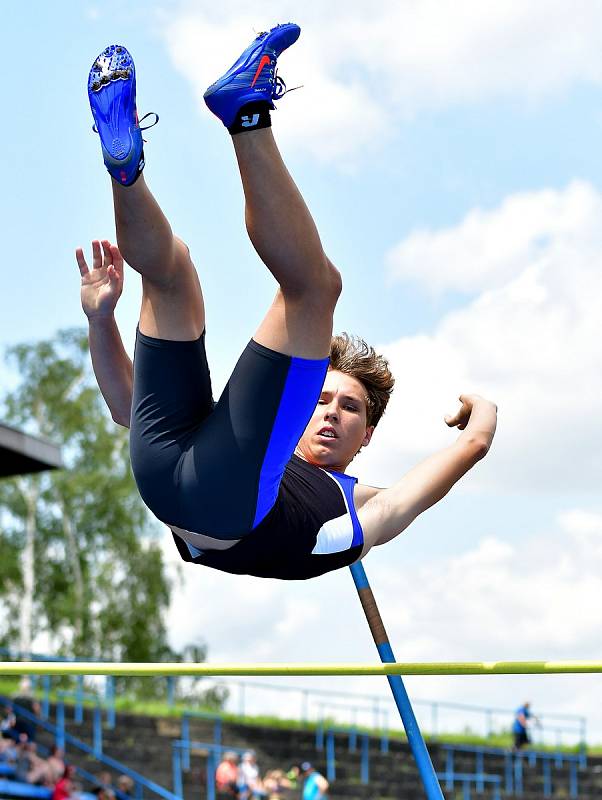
101,587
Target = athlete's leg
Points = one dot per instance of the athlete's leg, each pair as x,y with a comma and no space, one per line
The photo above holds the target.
172,304
299,322
172,301
284,234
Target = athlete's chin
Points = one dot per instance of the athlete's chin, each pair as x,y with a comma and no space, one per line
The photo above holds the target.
328,457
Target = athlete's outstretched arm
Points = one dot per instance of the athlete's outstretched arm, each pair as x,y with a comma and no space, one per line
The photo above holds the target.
390,511
101,289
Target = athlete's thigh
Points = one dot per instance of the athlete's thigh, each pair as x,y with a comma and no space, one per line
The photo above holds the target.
171,398
231,475
297,326
174,309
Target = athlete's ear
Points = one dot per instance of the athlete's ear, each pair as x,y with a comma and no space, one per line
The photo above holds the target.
368,436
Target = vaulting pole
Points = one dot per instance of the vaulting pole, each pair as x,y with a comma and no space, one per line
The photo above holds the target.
402,701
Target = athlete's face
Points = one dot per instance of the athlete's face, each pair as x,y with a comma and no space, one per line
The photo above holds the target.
338,427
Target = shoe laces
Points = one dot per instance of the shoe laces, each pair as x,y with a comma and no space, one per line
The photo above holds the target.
280,89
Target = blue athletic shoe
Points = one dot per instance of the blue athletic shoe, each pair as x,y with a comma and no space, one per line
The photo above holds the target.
253,77
112,94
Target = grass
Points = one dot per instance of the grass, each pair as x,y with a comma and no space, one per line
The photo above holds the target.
156,708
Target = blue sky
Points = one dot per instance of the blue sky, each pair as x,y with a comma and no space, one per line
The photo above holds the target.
417,140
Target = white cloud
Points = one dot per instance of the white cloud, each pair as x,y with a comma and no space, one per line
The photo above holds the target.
492,601
530,341
365,67
488,248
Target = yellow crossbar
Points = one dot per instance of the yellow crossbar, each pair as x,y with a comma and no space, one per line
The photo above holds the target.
427,668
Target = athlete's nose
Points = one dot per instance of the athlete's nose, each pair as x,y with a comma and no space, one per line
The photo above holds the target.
331,413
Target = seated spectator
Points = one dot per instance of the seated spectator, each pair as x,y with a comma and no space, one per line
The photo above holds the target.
56,764
104,781
293,774
47,771
8,751
25,701
7,724
226,776
26,758
248,776
125,785
65,787
103,793
275,783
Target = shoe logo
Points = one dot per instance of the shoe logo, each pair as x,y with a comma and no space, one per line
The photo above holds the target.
249,122
264,60
104,65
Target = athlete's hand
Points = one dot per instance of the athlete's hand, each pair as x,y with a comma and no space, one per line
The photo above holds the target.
460,418
102,285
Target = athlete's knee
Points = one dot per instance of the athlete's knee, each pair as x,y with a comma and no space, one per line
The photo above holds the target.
335,279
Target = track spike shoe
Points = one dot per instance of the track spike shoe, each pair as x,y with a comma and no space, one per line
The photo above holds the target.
253,76
112,95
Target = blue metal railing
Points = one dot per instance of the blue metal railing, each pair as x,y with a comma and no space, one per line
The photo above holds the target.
185,732
325,739
513,766
467,778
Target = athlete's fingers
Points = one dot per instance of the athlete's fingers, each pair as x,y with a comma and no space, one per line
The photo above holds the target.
96,255
106,250
81,262
117,259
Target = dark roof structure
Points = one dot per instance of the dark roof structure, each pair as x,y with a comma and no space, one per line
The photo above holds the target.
21,454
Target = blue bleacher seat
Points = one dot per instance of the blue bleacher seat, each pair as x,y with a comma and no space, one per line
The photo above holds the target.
10,788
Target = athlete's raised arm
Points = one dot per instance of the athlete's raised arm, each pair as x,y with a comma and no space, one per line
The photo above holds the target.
100,290
389,511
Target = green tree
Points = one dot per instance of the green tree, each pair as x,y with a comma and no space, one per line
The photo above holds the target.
80,556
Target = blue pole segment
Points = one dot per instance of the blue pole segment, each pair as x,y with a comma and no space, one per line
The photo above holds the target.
365,764
574,788
185,743
331,773
176,767
110,700
46,701
79,697
97,732
402,701
211,770
60,725
171,691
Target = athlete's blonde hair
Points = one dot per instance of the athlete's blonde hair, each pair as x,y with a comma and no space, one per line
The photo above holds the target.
353,356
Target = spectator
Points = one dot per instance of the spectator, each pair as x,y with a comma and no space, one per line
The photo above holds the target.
26,758
65,787
105,780
293,774
275,782
8,750
125,786
315,785
103,792
56,764
520,727
248,779
7,724
47,772
25,701
226,776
